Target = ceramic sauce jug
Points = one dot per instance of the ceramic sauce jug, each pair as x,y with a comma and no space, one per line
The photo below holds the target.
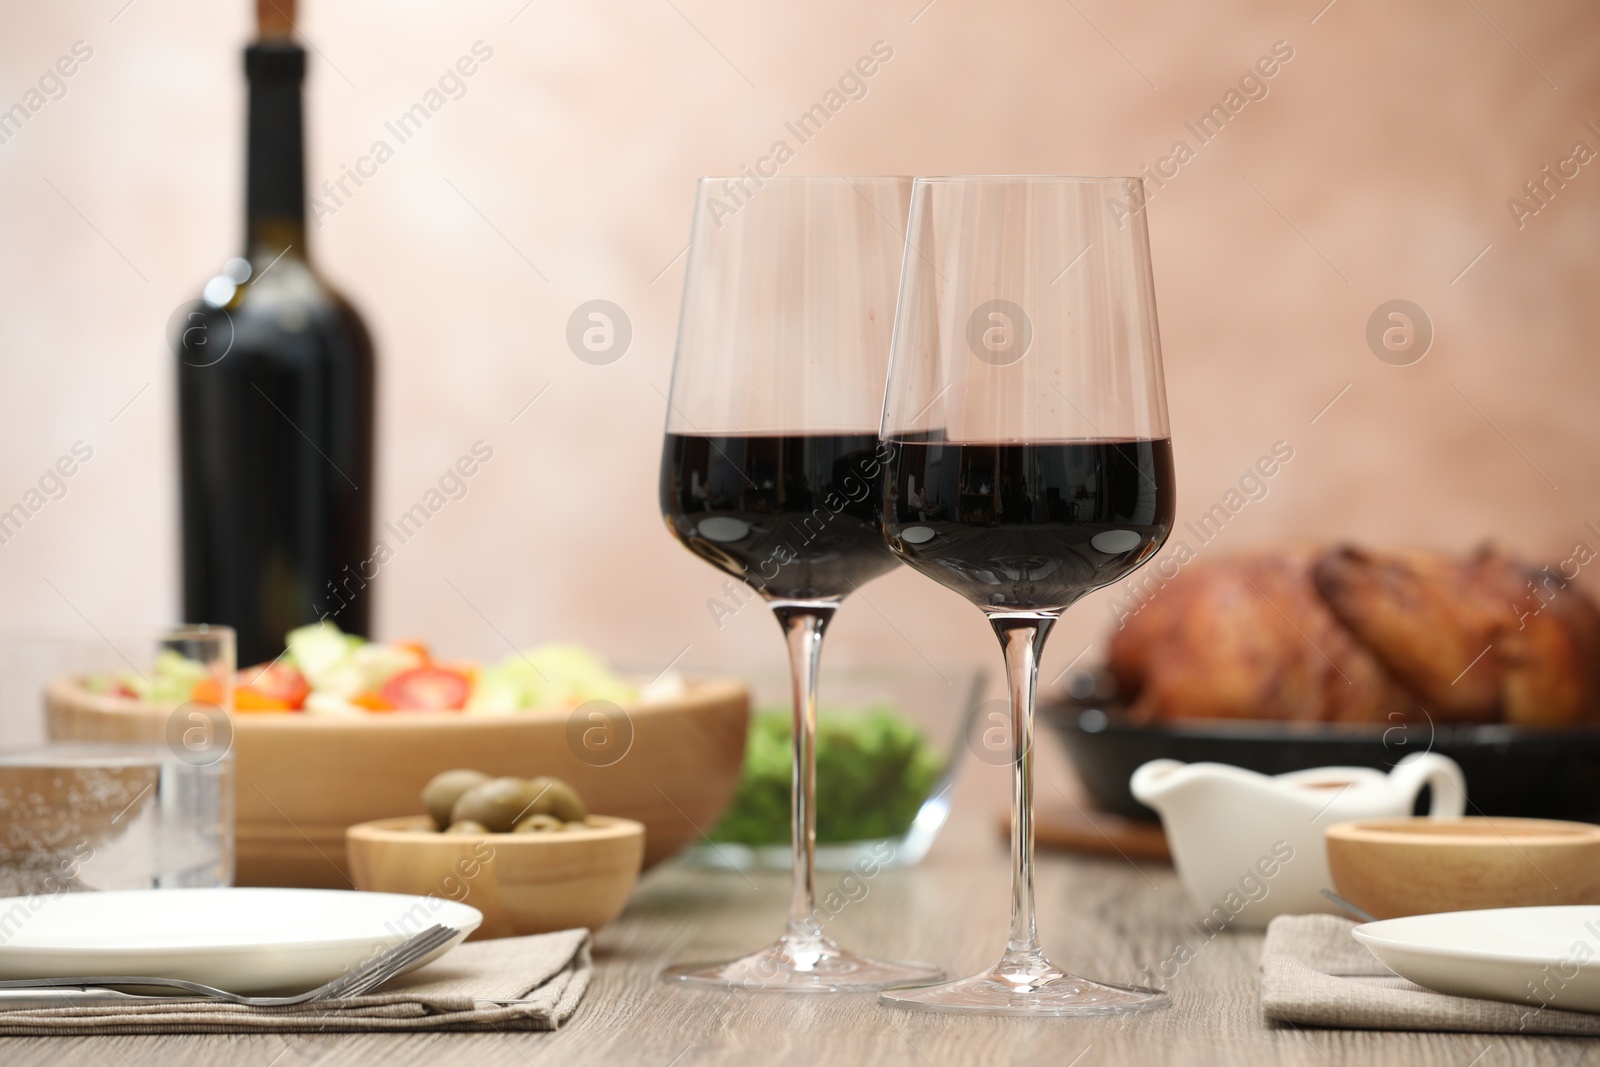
1249,846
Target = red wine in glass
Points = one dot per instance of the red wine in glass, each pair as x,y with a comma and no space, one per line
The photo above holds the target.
1027,527
794,515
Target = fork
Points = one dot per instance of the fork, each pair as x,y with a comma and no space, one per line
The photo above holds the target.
1360,913
365,978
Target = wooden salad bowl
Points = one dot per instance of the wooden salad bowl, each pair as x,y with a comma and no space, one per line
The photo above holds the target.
301,780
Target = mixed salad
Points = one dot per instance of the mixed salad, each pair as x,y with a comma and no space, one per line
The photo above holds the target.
874,770
324,671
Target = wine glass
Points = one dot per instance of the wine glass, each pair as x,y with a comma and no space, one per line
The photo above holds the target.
771,467
1029,463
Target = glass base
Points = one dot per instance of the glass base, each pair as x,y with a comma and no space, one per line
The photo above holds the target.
802,965
1027,985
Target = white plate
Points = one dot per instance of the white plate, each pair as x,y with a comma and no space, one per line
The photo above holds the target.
241,940
1547,957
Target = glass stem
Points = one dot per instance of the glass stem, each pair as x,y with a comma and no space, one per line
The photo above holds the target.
803,624
1022,638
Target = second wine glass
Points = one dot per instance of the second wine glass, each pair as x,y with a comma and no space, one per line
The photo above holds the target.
771,465
1030,463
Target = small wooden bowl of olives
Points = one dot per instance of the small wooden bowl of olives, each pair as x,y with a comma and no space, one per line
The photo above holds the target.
525,852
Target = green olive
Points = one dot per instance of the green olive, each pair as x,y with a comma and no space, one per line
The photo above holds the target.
540,824
557,798
497,803
439,796
466,826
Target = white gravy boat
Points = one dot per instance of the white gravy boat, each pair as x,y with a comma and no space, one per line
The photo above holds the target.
1249,846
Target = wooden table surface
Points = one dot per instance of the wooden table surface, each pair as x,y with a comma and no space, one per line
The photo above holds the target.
1104,918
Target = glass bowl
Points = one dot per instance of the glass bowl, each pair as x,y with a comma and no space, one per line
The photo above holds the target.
890,741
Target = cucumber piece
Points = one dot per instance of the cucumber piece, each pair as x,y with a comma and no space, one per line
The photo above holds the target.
323,655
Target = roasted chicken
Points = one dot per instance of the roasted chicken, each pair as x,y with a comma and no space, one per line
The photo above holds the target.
1354,635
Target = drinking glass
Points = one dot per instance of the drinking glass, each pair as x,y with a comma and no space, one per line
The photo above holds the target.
116,764
771,465
1028,461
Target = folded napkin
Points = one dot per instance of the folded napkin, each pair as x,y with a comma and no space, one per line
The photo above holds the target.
514,983
1314,973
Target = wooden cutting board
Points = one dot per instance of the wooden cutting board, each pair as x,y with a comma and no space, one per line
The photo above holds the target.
1100,832
1063,818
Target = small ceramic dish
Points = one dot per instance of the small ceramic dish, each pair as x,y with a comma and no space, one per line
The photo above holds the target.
1537,956
523,883
1397,867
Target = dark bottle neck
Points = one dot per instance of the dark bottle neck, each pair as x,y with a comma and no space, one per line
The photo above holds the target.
275,180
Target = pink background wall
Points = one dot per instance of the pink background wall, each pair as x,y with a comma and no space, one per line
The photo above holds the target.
1377,166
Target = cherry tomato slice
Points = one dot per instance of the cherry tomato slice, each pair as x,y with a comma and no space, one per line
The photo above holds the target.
281,683
427,689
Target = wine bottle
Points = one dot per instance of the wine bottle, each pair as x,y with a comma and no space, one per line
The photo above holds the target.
275,401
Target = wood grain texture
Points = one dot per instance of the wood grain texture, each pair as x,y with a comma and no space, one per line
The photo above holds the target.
1103,917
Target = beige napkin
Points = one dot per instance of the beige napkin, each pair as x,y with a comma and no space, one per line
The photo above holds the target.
1314,973
514,983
